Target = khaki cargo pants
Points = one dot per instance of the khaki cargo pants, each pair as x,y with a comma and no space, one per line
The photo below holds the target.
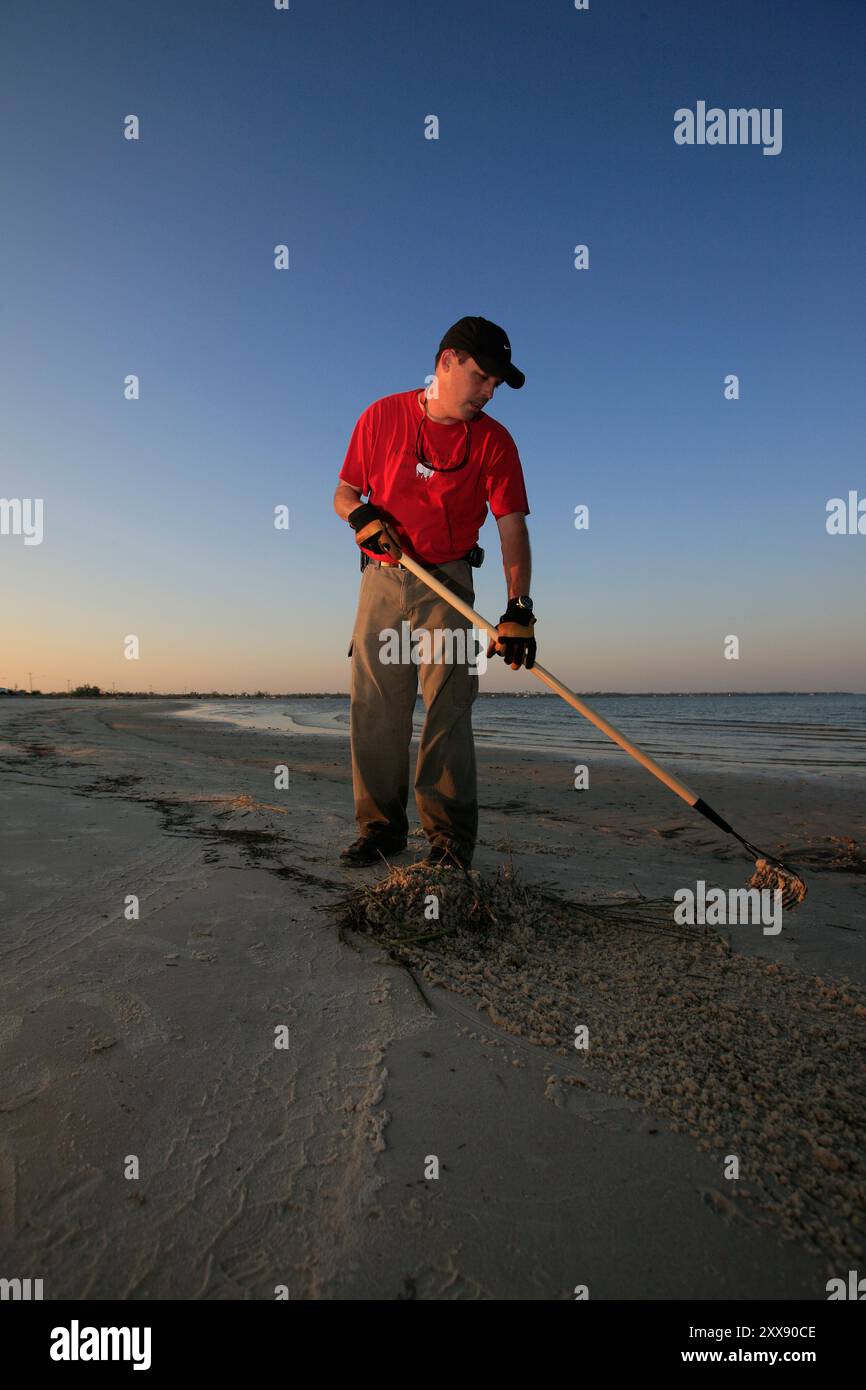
383,702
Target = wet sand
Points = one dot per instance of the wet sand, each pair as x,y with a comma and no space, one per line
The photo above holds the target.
305,1166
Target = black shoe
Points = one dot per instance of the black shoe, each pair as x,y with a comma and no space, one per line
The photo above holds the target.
370,849
449,856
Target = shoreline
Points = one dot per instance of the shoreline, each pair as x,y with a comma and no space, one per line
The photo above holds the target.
598,747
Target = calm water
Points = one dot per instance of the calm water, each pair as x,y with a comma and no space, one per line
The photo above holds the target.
817,734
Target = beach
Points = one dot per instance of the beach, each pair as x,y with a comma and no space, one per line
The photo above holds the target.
156,1143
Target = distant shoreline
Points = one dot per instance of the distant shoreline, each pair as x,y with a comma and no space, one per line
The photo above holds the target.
482,694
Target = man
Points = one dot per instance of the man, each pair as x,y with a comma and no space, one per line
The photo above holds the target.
430,463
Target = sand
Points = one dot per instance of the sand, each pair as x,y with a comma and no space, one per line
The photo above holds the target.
760,1062
305,1165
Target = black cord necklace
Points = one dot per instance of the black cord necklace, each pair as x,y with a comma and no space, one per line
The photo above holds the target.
425,463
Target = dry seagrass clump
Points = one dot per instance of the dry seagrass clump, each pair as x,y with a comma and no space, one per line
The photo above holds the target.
398,909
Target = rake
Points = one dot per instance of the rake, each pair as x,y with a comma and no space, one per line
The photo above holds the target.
770,871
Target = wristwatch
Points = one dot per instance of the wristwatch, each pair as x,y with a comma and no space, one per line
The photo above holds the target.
524,601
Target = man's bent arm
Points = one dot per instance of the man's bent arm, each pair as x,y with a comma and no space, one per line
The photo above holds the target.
346,499
516,557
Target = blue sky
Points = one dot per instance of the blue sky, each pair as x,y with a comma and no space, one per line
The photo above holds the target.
306,127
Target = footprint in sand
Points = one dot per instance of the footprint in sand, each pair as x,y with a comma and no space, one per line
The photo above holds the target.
22,1084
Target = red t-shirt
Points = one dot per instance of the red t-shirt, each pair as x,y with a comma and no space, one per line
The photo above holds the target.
437,516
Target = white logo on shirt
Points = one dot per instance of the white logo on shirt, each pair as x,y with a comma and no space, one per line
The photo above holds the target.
422,471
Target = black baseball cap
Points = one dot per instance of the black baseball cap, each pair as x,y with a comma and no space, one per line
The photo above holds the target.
488,344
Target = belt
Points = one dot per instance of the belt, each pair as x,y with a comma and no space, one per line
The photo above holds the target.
474,557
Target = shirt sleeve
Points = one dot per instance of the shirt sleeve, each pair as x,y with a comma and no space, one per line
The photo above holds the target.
506,491
355,470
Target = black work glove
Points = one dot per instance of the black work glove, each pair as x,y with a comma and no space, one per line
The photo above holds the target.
372,531
514,640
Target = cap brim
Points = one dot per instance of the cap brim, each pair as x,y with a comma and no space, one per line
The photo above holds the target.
509,373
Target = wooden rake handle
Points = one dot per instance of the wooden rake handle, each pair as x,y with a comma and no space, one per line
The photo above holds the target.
675,785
